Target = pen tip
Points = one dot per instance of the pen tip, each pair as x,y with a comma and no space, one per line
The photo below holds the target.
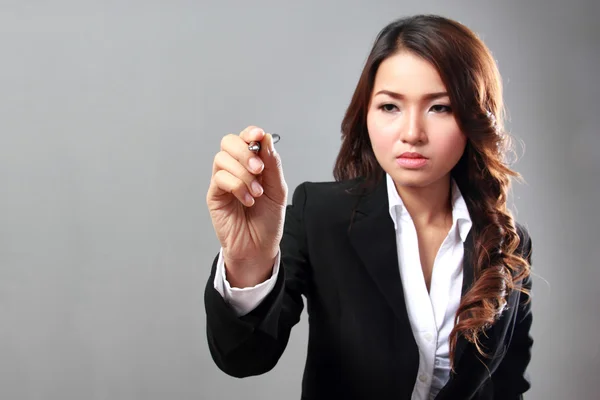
276,137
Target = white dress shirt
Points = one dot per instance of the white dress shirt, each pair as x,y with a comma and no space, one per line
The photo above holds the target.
431,314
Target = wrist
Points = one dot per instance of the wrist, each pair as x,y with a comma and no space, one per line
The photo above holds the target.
248,273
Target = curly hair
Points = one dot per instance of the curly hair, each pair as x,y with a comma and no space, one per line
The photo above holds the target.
471,76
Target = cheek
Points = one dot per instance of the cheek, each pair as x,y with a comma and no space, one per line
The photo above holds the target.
451,146
381,133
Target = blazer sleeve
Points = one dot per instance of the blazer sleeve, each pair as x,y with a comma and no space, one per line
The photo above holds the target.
511,379
252,344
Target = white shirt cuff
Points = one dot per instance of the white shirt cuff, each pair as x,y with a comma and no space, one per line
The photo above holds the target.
244,300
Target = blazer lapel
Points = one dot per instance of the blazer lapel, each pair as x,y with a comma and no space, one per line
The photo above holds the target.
468,277
373,237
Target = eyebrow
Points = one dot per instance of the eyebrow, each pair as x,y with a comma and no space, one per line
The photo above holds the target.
400,96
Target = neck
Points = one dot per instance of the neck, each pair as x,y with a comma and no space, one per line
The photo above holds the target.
428,205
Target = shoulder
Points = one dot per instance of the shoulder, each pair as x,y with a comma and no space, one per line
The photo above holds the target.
525,245
326,197
329,188
522,231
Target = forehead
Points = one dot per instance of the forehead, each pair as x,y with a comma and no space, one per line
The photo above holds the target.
407,73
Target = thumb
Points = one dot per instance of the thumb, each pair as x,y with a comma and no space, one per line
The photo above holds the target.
272,176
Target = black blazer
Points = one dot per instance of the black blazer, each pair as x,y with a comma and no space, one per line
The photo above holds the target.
339,251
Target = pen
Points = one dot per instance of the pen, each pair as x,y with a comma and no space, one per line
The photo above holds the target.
255,146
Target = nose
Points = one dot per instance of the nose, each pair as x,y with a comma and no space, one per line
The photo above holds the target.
413,129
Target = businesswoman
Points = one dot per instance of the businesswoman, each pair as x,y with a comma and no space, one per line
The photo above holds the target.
415,274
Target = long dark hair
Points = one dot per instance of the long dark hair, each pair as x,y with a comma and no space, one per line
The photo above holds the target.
470,74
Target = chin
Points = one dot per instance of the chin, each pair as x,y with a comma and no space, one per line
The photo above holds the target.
414,178
411,180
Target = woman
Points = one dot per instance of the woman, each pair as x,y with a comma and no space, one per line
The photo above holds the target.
415,274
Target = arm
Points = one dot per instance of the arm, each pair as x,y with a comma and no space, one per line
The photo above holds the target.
253,343
511,379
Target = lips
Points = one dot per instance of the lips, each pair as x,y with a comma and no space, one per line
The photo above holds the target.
412,161
412,155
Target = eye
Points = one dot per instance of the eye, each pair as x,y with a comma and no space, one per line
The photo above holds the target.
440,108
388,107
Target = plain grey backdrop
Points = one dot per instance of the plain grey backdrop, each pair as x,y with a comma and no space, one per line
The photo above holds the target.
111,113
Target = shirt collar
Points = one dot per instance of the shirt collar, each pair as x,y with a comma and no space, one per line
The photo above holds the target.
460,213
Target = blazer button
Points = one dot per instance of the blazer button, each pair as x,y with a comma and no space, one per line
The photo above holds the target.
423,378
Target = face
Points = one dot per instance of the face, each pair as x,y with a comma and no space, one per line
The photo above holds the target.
413,131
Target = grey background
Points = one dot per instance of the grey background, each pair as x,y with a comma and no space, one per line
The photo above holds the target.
111,113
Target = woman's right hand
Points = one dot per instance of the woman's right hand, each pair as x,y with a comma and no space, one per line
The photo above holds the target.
246,199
